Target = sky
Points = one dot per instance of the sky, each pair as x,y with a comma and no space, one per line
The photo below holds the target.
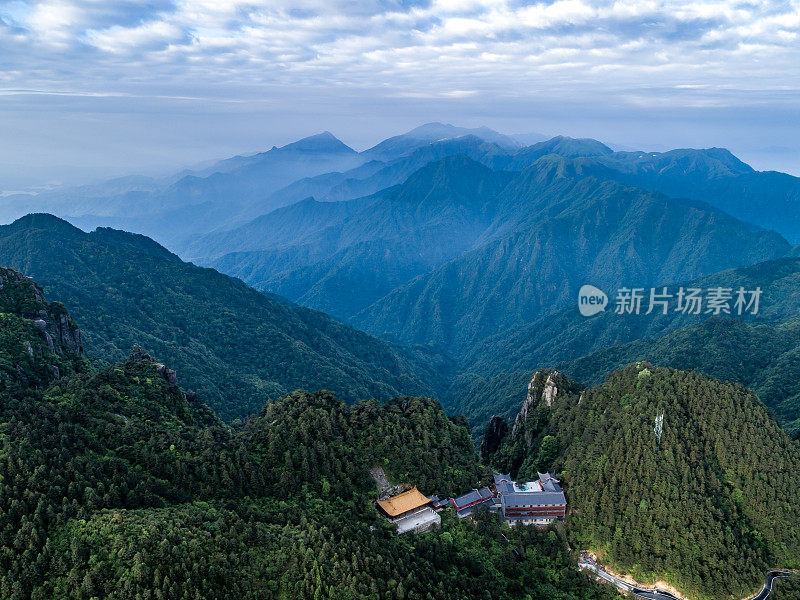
96,88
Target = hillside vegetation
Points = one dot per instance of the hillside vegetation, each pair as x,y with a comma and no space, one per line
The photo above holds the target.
708,510
231,344
758,351
117,484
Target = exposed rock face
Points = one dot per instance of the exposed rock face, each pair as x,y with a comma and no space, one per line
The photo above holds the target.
550,389
137,353
168,374
21,295
531,400
545,386
496,430
50,340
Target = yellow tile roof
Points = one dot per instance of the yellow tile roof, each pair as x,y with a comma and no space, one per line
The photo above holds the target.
402,503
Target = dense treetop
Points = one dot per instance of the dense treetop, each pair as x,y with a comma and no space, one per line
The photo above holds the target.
231,344
115,483
717,497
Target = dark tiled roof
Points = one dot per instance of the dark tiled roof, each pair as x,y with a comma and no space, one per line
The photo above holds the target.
532,498
465,512
549,483
503,483
482,494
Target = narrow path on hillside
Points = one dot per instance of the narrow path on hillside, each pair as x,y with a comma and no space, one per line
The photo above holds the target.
586,563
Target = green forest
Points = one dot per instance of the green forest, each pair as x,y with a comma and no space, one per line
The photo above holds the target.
709,509
118,484
232,345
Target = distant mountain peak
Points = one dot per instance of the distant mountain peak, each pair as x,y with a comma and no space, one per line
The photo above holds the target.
44,221
569,146
457,166
405,143
320,142
433,128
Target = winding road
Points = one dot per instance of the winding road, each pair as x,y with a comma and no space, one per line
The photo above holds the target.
585,563
771,576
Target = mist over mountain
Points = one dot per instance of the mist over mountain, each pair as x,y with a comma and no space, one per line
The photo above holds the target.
227,193
454,256
569,231
230,343
399,145
456,237
758,351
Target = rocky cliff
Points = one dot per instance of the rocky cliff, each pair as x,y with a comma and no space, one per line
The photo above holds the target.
39,342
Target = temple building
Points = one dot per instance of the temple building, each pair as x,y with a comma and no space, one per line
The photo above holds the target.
537,502
465,504
410,511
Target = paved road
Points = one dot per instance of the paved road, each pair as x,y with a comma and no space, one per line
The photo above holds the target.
771,577
658,594
624,585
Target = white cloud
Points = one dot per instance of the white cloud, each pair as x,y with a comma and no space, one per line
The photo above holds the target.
639,52
153,34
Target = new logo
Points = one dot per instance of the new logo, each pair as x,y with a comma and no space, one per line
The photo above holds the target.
591,300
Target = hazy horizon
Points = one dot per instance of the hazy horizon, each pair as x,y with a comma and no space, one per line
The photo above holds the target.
55,175
100,89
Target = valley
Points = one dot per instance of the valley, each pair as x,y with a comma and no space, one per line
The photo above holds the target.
230,380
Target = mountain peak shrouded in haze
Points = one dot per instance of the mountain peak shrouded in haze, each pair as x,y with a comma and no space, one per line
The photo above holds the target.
442,131
455,178
233,192
320,142
43,221
399,145
566,147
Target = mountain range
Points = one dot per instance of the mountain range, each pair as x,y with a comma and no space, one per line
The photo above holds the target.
173,430
464,249
229,343
118,483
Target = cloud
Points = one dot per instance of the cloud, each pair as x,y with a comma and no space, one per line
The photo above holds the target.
395,44
150,36
487,56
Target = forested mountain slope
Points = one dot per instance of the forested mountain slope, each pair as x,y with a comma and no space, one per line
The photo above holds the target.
39,342
759,351
555,232
402,232
230,343
116,483
709,509
767,198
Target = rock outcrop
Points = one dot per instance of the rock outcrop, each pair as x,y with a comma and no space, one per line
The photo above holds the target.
50,341
550,390
535,387
544,388
138,354
496,431
22,296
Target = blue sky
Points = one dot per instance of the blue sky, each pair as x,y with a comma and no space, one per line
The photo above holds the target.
97,87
